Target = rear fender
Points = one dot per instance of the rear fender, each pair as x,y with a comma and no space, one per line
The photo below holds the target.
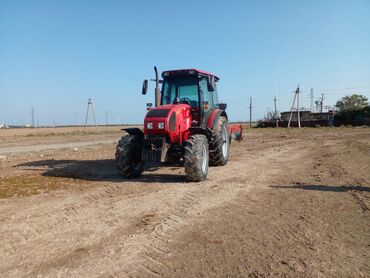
216,114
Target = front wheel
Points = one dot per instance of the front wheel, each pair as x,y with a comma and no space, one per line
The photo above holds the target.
128,156
196,158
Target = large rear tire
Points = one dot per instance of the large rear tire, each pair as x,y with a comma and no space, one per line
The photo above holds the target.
196,158
219,143
128,156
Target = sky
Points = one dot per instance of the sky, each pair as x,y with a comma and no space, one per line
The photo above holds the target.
54,55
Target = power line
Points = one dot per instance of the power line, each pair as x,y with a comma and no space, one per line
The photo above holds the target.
345,88
335,82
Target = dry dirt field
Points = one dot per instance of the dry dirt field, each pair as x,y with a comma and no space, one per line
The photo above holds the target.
290,203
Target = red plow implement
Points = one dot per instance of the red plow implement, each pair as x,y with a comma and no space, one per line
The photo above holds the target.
236,130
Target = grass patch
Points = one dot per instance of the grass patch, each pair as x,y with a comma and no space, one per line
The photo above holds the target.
23,186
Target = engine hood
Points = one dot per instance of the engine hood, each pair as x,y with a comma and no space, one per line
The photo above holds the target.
167,120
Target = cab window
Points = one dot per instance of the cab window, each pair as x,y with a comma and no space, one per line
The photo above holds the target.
207,95
184,89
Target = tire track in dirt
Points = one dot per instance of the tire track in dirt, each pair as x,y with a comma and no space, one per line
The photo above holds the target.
111,206
158,247
66,214
159,241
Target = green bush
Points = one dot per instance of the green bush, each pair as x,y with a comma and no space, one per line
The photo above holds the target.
353,117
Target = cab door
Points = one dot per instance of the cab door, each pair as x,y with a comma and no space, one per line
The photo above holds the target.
207,104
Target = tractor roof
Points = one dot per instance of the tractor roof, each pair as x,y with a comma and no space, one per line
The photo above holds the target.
182,72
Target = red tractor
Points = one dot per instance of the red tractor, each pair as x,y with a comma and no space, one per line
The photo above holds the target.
187,125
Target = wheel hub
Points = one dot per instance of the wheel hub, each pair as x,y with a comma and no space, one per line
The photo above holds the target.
204,158
225,144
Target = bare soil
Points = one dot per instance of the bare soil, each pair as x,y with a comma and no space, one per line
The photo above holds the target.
42,136
290,203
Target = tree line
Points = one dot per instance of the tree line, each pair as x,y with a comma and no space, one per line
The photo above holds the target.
352,110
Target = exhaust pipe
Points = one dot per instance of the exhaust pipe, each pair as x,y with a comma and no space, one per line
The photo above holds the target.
157,90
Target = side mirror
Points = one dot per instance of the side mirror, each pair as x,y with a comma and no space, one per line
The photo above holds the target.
222,106
145,87
149,106
211,83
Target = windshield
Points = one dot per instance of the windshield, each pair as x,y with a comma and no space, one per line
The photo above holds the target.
185,89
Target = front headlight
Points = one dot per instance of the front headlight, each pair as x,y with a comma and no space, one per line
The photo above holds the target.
149,125
160,125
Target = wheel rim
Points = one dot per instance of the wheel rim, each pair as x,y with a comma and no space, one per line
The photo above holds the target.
204,158
225,144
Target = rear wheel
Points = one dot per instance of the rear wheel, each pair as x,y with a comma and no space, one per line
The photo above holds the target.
196,158
219,145
128,156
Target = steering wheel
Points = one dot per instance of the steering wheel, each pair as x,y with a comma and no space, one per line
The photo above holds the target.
185,100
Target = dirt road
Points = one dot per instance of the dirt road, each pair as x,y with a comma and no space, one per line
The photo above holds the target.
289,203
43,147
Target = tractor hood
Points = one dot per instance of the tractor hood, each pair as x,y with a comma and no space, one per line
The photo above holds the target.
171,120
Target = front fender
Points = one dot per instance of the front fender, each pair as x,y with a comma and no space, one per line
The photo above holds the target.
134,131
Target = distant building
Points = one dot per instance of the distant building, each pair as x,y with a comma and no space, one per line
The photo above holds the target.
305,116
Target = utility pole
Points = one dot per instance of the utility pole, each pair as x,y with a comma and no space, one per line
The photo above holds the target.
250,112
276,119
321,103
106,117
291,110
296,96
33,116
311,96
298,114
75,119
89,104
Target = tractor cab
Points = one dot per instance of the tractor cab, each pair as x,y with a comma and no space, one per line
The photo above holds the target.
193,87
